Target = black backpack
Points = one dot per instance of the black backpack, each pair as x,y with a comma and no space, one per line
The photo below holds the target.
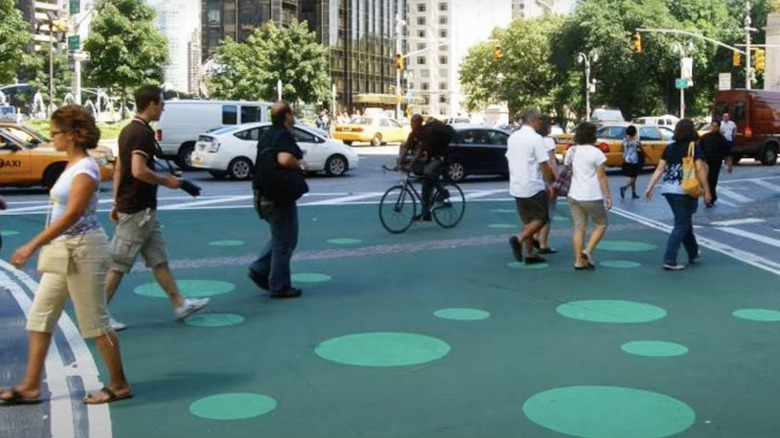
436,136
281,185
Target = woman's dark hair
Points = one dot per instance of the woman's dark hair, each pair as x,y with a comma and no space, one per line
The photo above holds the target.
586,133
77,120
279,112
631,131
685,131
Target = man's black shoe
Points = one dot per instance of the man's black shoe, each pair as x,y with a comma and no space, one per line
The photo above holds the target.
259,279
534,260
292,292
517,248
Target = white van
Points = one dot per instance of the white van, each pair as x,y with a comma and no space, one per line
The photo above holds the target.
665,120
183,120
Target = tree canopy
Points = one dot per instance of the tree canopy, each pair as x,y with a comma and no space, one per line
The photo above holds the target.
14,35
252,69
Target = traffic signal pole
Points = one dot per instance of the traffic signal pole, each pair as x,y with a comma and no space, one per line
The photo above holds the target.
399,24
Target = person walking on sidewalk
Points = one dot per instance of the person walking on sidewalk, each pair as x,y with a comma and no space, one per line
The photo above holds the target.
716,149
633,161
271,270
73,223
135,207
683,205
528,170
588,195
542,238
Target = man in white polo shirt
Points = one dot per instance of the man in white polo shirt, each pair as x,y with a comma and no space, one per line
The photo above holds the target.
728,128
528,171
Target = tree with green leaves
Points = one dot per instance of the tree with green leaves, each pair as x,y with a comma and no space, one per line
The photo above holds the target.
35,71
14,35
126,48
252,69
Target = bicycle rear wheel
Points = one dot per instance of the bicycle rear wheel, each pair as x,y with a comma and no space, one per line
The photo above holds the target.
397,209
449,204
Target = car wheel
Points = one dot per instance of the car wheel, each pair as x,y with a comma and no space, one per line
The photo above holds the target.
217,174
769,157
348,142
52,173
377,140
240,168
336,165
456,171
184,158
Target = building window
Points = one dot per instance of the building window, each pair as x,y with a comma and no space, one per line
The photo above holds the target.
213,16
425,73
442,33
421,21
442,85
443,60
421,33
442,99
420,60
421,7
424,86
444,48
420,46
443,20
443,7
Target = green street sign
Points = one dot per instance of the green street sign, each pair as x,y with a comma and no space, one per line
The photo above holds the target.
75,7
74,43
680,83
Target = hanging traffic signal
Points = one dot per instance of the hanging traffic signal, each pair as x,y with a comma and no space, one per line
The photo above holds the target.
636,43
498,52
399,62
736,59
760,60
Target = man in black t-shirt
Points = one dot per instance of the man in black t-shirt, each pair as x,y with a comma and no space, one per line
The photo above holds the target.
135,206
271,270
716,148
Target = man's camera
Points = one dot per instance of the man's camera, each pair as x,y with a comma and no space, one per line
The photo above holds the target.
191,188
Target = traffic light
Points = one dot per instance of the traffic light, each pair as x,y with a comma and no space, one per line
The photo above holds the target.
498,52
736,59
760,60
636,43
399,62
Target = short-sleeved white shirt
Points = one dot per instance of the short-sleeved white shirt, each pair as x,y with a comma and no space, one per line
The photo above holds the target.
60,194
585,184
525,150
549,144
727,129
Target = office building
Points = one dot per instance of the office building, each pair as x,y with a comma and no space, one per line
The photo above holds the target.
178,20
40,13
536,8
194,66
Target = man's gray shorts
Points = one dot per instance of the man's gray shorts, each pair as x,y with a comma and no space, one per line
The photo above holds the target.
137,233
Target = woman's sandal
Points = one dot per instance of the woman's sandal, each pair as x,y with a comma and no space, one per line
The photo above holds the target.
16,398
105,395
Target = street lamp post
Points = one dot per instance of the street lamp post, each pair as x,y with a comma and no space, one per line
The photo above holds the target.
583,58
399,24
748,68
681,50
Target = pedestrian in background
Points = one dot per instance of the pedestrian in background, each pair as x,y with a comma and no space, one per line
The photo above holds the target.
542,240
716,149
633,161
589,195
683,205
73,222
135,206
323,120
529,178
728,128
271,270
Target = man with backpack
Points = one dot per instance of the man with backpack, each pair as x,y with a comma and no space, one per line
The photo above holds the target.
434,142
278,183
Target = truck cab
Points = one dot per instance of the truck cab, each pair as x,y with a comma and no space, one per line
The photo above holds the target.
757,116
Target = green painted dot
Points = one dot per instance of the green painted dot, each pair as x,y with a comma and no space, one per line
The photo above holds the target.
502,225
214,320
620,264
609,412
611,311
310,277
188,288
625,246
761,315
462,314
654,348
7,233
344,241
503,210
233,406
522,265
381,349
227,243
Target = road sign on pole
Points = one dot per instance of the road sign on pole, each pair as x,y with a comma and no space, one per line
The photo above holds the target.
74,43
681,83
724,81
75,7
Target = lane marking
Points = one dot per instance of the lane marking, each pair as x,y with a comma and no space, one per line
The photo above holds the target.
186,205
752,236
738,222
483,194
346,199
766,184
731,181
734,195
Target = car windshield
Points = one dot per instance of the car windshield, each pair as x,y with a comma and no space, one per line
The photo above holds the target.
362,121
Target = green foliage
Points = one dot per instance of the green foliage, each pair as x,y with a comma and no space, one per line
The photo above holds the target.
14,35
126,49
35,71
108,131
251,70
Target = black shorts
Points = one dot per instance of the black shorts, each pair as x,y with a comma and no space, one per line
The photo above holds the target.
535,208
631,169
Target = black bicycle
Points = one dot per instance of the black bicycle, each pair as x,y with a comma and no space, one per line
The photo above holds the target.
398,207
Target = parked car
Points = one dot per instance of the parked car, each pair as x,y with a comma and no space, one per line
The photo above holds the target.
183,120
376,130
757,116
477,150
29,163
610,140
231,151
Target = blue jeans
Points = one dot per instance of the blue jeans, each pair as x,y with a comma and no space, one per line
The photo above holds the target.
683,208
274,260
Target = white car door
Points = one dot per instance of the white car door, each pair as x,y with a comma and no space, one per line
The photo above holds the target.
314,152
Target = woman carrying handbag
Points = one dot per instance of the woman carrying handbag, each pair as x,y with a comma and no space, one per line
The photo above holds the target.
74,261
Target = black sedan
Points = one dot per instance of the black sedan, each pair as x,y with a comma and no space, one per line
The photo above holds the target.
477,150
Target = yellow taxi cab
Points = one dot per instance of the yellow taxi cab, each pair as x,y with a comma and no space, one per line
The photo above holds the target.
610,140
27,158
376,130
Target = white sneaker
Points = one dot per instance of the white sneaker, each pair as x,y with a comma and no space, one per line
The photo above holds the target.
116,325
669,267
190,306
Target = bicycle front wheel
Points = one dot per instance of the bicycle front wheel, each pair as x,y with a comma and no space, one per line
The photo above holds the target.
397,209
449,204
